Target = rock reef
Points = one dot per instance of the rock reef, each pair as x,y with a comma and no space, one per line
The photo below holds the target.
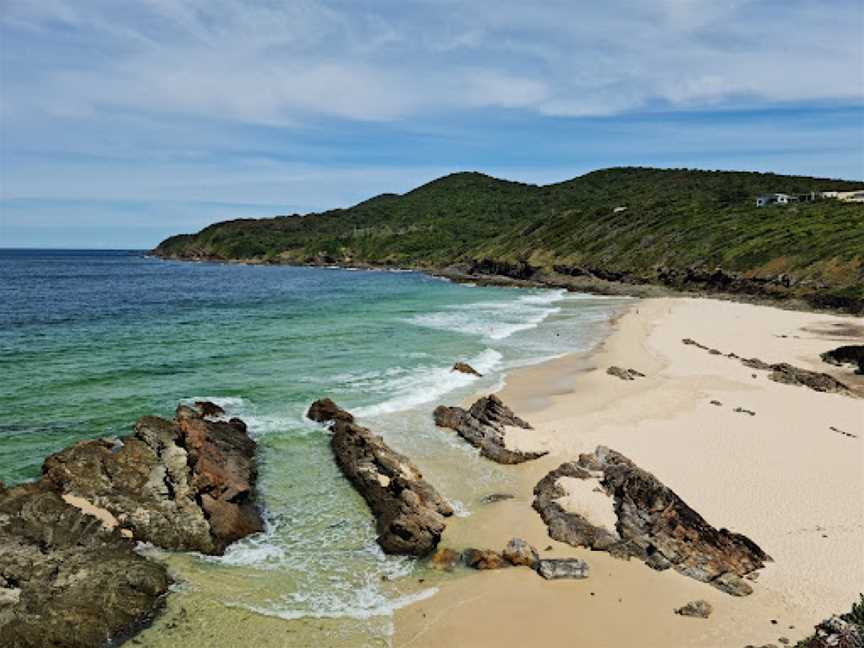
653,524
409,512
852,354
484,426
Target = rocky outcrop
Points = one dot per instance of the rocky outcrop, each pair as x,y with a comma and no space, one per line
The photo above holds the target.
783,372
208,409
66,579
624,374
484,426
518,270
653,524
839,631
409,512
186,484
852,354
700,609
464,367
555,568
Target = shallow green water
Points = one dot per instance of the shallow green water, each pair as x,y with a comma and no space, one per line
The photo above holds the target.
90,341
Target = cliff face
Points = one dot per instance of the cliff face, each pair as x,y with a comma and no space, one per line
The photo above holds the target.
682,229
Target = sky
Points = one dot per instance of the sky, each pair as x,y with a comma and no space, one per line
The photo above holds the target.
122,123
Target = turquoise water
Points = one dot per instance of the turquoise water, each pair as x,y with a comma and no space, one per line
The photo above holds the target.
90,341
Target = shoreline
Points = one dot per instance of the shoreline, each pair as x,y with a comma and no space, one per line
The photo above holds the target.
781,477
588,281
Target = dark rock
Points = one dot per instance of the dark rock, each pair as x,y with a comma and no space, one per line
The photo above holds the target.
496,497
186,484
624,374
654,524
741,410
518,270
325,410
483,559
65,579
554,568
464,367
851,354
484,427
520,553
716,402
839,631
208,409
409,512
701,609
444,559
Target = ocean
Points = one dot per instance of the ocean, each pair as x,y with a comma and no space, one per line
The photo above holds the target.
92,340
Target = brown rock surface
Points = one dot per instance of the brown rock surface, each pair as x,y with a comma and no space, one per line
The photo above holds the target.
186,484
66,580
409,512
464,367
483,559
484,426
653,524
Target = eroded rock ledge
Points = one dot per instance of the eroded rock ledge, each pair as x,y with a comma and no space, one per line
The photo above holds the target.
186,484
653,524
484,426
409,512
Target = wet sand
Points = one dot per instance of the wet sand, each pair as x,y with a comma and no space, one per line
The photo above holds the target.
782,477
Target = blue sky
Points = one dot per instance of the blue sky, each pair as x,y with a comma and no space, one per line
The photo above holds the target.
123,123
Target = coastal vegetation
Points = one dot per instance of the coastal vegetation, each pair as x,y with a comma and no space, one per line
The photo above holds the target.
637,225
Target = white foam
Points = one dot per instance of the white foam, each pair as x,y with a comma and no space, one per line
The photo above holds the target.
459,508
424,384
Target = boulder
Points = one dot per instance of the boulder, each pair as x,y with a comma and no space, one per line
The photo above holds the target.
701,609
409,512
483,559
555,568
444,559
520,553
464,367
325,410
653,524
186,484
850,354
208,409
484,426
66,579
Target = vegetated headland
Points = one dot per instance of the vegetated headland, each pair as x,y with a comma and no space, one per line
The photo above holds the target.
640,231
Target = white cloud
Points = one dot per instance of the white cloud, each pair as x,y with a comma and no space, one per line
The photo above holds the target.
269,62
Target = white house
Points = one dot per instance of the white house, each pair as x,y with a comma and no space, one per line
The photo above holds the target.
775,199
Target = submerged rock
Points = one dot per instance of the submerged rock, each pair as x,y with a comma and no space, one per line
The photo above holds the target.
653,524
186,484
444,559
701,609
464,367
67,580
496,497
555,568
409,512
484,426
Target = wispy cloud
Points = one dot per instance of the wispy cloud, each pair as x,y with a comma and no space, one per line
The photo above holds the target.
154,111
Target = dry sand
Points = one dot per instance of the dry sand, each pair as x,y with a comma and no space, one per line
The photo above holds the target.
782,477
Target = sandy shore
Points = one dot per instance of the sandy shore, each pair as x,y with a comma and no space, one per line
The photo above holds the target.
782,477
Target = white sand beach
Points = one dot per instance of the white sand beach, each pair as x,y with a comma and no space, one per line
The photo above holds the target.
783,477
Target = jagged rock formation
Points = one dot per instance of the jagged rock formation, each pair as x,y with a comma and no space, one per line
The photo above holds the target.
186,484
67,580
464,367
409,512
624,374
483,559
653,524
851,354
783,372
519,553
484,426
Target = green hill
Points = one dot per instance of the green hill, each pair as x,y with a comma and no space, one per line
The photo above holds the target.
678,227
